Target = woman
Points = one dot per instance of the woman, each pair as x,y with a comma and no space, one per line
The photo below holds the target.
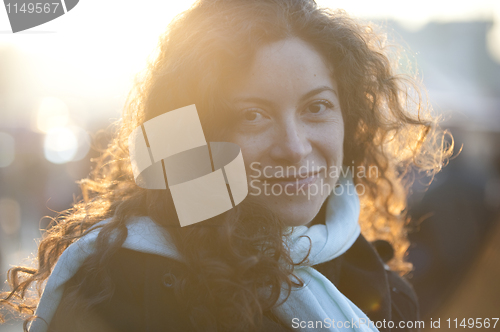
297,88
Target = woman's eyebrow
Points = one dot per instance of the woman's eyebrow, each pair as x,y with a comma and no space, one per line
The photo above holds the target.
317,91
269,103
255,100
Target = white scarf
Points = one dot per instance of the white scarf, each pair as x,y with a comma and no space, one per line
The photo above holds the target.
318,301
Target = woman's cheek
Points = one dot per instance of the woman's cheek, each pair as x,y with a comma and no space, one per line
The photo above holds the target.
254,144
330,138
252,155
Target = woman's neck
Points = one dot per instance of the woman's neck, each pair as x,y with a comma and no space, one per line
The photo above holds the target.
320,216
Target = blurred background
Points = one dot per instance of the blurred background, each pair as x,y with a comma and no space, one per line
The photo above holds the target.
63,81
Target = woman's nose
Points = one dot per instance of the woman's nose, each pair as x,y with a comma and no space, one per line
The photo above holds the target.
291,144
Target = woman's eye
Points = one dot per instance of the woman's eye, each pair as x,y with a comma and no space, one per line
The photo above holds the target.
252,116
319,107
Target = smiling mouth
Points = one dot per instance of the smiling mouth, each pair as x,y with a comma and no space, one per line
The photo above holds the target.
300,179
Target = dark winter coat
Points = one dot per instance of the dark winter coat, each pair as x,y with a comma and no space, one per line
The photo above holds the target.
144,300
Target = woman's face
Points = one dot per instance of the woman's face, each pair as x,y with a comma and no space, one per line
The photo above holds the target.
290,129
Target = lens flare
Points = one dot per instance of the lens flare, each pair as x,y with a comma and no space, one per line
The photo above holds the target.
60,145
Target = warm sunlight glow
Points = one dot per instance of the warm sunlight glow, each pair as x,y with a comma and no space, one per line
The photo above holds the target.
64,144
52,113
60,145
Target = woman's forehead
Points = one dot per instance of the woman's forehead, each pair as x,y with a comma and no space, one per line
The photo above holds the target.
286,66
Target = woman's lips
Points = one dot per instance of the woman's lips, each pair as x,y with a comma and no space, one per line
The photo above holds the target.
292,183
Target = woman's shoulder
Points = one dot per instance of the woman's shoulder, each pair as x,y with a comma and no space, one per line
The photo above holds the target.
162,307
142,297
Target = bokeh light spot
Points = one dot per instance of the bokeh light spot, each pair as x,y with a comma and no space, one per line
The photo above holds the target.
60,145
7,150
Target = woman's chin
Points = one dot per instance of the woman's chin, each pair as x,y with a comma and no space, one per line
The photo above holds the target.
295,211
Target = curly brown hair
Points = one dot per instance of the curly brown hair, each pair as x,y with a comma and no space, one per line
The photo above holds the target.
387,125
